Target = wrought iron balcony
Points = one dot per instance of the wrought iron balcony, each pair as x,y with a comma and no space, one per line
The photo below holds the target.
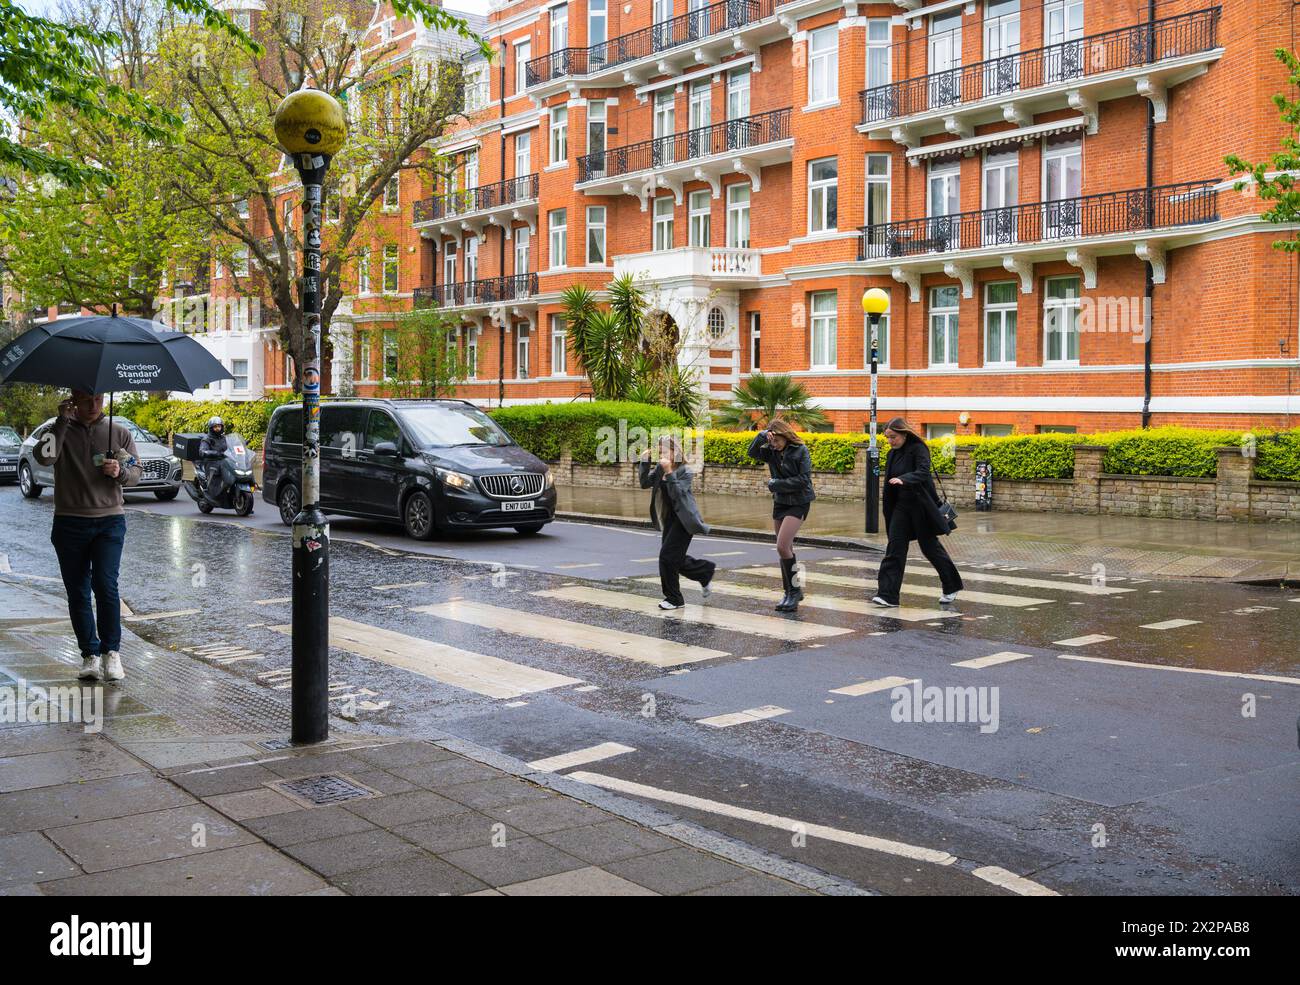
511,191
1107,214
1099,54
649,41
471,293
728,137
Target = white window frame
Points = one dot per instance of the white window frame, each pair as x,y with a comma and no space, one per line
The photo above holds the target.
559,27
390,349
663,212
559,346
823,198
392,194
951,315
879,50
393,259
522,359
559,142
363,272
735,208
700,217
597,14
597,122
823,65
1054,310
997,312
239,262
523,153
363,355
823,330
523,55
471,352
596,230
523,248
449,251
558,237
755,341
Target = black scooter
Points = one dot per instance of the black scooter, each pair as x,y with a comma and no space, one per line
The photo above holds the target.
234,487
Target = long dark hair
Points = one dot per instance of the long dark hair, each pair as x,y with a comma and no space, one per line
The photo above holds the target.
899,425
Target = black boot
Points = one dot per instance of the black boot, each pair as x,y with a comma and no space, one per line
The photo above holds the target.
792,594
796,589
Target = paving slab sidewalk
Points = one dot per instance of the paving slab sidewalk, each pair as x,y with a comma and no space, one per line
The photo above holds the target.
150,805
1252,553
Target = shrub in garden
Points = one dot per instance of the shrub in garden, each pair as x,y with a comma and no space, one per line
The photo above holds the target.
591,430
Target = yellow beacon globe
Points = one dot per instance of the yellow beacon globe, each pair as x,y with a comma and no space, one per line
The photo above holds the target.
310,122
875,301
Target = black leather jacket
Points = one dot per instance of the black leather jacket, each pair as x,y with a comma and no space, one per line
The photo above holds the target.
791,471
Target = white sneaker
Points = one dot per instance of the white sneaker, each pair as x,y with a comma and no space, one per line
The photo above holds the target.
113,667
888,605
91,669
706,590
950,597
665,604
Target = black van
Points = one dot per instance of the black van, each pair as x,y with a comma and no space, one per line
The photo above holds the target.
430,464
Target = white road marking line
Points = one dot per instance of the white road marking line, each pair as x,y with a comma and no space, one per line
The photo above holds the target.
1083,640
465,669
739,622
615,642
869,842
818,578
871,687
126,609
279,601
589,564
741,717
587,687
1272,678
993,659
580,757
400,584
860,607
516,704
725,554
1019,885
1171,624
150,616
1063,586
645,560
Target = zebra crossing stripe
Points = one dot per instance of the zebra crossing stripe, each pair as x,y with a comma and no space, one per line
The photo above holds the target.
846,581
833,603
477,672
1018,582
740,622
565,632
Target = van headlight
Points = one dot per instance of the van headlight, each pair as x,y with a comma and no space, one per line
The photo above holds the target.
550,480
457,480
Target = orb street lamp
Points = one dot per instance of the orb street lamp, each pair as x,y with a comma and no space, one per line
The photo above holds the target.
310,127
875,302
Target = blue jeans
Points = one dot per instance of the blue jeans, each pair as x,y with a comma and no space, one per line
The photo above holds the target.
90,553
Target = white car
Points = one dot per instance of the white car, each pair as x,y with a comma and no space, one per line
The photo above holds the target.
160,470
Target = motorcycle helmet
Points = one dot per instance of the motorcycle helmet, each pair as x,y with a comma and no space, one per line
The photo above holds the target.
214,423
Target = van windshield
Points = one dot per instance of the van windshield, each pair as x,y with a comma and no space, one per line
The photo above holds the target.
450,425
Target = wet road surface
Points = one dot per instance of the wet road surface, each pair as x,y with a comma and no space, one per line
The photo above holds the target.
1131,736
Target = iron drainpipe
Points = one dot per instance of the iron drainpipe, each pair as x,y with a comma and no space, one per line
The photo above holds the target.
1149,308
501,337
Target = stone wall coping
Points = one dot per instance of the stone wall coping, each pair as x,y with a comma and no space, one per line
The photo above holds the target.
1277,484
1123,476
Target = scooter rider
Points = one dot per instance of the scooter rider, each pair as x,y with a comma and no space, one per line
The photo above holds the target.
212,451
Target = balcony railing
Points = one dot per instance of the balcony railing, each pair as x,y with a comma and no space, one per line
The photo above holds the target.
1109,213
656,39
491,290
1127,47
728,137
508,192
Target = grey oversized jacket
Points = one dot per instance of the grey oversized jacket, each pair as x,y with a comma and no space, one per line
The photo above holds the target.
676,487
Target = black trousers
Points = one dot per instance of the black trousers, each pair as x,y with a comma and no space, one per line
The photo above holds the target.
674,561
903,529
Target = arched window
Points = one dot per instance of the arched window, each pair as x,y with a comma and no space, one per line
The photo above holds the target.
717,324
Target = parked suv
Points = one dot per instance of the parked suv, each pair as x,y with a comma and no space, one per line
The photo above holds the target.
429,464
10,445
160,470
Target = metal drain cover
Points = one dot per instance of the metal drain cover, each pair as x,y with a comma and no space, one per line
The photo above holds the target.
328,788
276,744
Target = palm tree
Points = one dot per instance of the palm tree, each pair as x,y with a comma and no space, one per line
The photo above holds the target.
762,397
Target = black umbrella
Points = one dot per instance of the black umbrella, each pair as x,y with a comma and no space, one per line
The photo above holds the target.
103,354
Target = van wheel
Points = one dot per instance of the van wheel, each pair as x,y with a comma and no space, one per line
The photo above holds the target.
27,482
288,503
417,516
529,528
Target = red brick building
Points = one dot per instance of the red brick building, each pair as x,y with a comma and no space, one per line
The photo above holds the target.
1039,185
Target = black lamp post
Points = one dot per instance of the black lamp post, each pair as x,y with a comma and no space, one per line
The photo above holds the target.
309,125
875,302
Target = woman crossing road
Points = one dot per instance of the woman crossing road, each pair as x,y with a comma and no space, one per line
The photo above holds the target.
791,486
673,510
911,507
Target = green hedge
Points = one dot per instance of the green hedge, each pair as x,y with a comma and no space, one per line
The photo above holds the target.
1176,451
829,452
164,417
591,429
1277,456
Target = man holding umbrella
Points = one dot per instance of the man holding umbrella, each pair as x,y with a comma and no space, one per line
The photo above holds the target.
93,461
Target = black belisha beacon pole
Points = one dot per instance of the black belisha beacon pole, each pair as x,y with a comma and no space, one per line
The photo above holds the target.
875,303
309,126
